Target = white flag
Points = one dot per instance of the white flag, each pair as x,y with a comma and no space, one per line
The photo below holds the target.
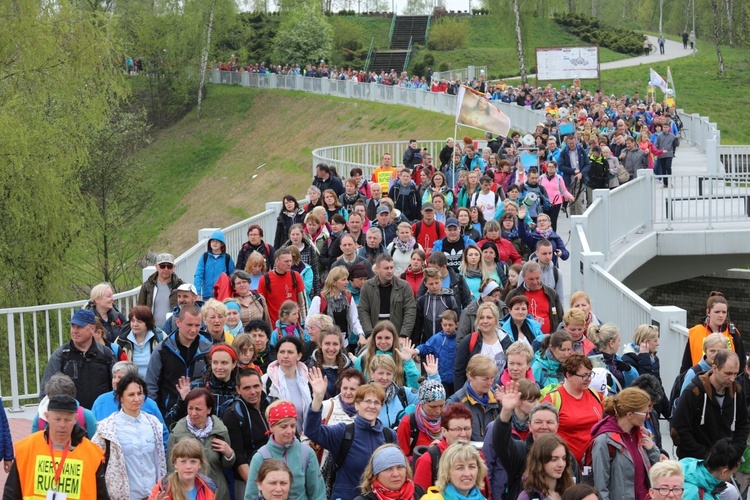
657,81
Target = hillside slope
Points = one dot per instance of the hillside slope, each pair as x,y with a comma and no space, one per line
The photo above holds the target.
208,164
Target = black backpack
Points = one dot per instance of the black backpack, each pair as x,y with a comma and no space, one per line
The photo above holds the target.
226,261
674,394
267,281
598,175
331,467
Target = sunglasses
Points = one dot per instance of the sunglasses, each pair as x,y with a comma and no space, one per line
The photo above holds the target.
166,266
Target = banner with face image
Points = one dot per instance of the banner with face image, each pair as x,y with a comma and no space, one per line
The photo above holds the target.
475,111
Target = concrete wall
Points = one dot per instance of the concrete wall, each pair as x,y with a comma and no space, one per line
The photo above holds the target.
691,295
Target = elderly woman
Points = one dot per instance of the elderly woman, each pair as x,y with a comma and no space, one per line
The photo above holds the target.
388,476
350,443
667,480
476,394
233,323
461,473
60,384
487,339
134,441
252,305
138,338
102,304
519,357
214,315
307,483
286,378
423,427
580,300
200,424
315,197
542,231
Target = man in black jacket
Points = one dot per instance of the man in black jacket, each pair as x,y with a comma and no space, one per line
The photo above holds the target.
154,291
325,180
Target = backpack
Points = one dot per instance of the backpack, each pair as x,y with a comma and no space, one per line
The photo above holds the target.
304,455
556,400
414,435
418,228
674,394
474,338
416,246
267,281
80,417
475,197
598,174
586,462
346,444
434,453
226,261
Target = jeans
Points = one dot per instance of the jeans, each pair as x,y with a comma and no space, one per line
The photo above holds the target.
664,167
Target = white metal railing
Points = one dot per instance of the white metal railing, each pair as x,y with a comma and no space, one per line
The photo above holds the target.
33,333
462,74
705,135
736,159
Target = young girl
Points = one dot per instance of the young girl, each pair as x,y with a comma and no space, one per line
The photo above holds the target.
185,482
244,345
233,324
441,212
513,273
384,340
330,358
548,360
472,269
288,323
547,471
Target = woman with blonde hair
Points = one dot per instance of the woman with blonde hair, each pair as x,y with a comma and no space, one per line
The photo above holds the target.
547,471
606,340
402,247
385,340
388,476
214,315
336,301
574,323
488,338
187,459
256,266
580,300
624,474
102,304
252,304
461,472
641,355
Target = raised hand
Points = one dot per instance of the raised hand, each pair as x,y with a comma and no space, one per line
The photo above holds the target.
522,212
183,387
430,364
318,382
509,395
407,351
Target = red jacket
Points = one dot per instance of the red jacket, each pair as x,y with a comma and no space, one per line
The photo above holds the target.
414,280
506,249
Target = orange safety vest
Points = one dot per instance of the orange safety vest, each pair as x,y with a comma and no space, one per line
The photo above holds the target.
696,336
36,470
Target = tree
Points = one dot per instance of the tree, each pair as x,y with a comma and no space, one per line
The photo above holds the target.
449,33
519,41
114,185
304,37
59,79
717,36
417,7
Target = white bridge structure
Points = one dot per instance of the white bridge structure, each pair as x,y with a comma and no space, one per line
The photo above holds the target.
630,238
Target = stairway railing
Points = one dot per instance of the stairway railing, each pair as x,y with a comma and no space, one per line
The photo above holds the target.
393,27
427,30
408,55
369,55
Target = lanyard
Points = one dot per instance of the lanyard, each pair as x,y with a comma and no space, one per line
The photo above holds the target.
59,467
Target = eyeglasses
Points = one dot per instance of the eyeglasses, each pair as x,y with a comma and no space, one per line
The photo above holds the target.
460,429
371,402
664,491
585,377
641,413
166,266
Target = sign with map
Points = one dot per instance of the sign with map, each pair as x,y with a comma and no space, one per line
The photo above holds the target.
567,63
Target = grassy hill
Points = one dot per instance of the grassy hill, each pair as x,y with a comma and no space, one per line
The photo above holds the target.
207,165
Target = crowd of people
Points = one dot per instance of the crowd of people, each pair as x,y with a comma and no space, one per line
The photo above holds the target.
404,335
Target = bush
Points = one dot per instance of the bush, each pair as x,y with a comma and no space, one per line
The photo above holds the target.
443,67
591,30
448,33
428,59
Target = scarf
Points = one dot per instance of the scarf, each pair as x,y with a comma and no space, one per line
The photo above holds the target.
201,434
451,493
611,361
236,330
544,233
482,400
472,273
404,247
390,392
406,492
350,410
509,235
301,380
336,304
517,424
427,425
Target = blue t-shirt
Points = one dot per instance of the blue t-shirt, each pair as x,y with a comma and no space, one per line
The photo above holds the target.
192,494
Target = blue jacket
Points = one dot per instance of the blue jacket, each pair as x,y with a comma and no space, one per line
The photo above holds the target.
546,370
6,440
443,347
698,478
566,169
367,438
495,470
210,267
531,238
105,405
531,325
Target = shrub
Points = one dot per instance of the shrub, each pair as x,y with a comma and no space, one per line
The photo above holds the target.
591,30
443,67
448,33
428,59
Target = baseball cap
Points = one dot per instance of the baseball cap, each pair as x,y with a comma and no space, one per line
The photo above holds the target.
383,209
428,206
164,258
82,317
451,222
187,287
62,402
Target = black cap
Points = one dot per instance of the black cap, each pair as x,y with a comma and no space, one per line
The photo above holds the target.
62,402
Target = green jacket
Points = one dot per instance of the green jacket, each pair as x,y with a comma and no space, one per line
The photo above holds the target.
308,482
215,462
403,308
698,478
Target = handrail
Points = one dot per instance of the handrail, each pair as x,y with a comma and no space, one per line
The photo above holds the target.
393,27
427,30
369,55
408,55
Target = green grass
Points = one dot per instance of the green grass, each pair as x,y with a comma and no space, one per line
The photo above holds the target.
698,87
493,43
